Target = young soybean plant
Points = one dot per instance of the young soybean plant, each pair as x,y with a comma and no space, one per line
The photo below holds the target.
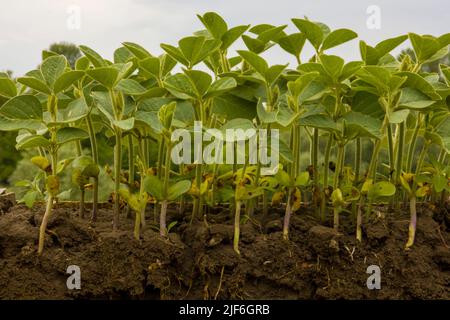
45,130
162,190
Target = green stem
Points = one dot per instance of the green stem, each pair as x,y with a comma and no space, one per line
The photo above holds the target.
391,150
412,145
117,167
94,150
163,215
325,177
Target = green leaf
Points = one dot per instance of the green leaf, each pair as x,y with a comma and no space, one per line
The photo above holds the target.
130,87
151,65
139,51
273,73
196,49
424,46
166,114
312,31
69,134
175,53
256,62
220,86
333,65
283,178
230,107
414,99
200,81
154,187
264,115
359,124
125,125
52,68
96,60
32,141
302,179
232,35
293,43
381,189
398,116
180,86
178,189
66,80
214,23
439,182
24,107
15,125
35,84
107,76
7,88
338,37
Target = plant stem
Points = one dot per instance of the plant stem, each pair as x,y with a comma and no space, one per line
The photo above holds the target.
287,215
94,150
412,145
117,166
323,204
359,219
163,215
391,151
315,164
131,167
44,223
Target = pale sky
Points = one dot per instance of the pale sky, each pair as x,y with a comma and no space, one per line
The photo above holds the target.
28,26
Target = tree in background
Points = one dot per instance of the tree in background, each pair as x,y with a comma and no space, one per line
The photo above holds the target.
69,50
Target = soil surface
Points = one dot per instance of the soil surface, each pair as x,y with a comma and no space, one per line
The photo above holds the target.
198,262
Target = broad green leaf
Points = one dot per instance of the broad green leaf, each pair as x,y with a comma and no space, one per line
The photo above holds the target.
398,116
333,65
230,107
320,121
122,55
273,73
360,125
196,49
166,114
96,60
414,99
256,62
350,69
338,37
381,189
424,46
35,84
232,35
14,125
214,23
254,45
139,51
66,80
82,63
32,141
293,43
130,87
200,81
7,88
151,65
312,31
264,115
220,86
180,86
24,107
125,125
439,182
154,187
52,68
302,179
175,53
178,189
107,76
69,134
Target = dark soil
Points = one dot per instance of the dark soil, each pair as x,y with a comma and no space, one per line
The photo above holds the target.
198,262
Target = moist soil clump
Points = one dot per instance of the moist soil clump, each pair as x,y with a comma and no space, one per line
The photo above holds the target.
197,260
